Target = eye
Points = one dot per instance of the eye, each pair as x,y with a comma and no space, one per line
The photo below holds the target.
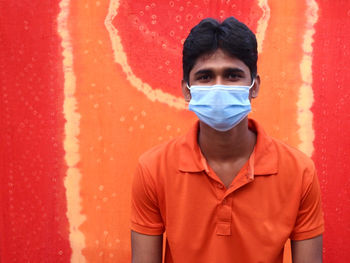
233,76
204,77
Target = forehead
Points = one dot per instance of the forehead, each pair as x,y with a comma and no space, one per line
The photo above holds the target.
218,60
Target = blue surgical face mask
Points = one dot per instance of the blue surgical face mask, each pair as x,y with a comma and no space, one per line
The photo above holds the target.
220,106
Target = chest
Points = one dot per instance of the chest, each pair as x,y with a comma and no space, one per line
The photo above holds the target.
198,209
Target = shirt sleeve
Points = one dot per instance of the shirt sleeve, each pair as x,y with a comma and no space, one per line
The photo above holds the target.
309,222
145,214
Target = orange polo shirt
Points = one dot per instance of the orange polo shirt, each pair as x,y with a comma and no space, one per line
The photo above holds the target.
275,196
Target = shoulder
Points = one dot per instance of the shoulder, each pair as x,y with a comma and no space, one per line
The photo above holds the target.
291,155
274,152
294,166
160,155
273,155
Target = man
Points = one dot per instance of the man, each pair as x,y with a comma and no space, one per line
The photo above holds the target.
226,191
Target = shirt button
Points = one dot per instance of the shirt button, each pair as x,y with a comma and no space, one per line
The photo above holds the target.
220,186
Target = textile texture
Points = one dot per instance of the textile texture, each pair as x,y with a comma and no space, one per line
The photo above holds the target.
88,86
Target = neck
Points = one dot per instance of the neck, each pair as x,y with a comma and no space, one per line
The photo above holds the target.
225,146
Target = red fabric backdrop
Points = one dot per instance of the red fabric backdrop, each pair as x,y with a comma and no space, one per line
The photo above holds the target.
38,219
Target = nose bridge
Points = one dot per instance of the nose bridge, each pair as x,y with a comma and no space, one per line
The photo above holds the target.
219,79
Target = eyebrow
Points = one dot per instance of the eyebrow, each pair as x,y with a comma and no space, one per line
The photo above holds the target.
226,70
234,70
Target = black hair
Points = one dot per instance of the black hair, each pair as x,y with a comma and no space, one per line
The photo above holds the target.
232,36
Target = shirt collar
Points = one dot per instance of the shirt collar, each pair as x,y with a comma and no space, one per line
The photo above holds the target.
264,159
191,157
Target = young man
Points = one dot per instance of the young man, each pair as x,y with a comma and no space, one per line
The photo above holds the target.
225,191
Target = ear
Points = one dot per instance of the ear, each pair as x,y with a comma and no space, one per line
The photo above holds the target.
185,91
254,91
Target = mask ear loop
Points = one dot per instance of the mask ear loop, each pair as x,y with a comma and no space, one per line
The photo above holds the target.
189,88
252,84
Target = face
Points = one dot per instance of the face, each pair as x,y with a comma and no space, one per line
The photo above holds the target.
219,68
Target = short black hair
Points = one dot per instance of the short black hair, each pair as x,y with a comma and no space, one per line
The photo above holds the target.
232,36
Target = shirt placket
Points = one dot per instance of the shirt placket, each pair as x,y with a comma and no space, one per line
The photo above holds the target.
225,203
224,217
224,196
